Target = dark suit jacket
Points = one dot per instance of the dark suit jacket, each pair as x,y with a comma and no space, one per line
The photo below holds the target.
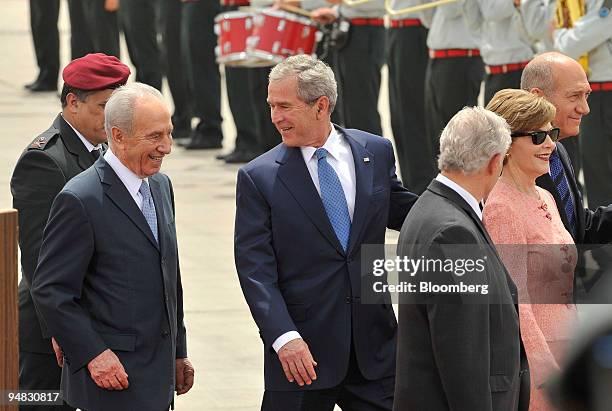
49,161
592,227
293,270
454,355
103,282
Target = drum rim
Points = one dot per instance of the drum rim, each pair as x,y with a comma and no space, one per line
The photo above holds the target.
231,15
288,16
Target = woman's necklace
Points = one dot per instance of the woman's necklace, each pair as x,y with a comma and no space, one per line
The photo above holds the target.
543,206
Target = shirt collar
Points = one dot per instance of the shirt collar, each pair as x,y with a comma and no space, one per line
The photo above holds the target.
130,180
90,147
332,145
469,198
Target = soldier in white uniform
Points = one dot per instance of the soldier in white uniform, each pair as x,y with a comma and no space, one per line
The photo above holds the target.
504,45
455,69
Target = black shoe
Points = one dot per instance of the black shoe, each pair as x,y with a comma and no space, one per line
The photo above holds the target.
203,138
240,156
29,85
40,87
222,156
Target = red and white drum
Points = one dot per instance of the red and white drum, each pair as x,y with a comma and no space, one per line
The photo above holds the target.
233,28
235,2
278,34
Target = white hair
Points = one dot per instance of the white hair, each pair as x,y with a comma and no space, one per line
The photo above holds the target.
314,78
119,109
471,138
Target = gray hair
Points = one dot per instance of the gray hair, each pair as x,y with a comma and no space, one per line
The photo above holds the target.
119,109
314,78
471,138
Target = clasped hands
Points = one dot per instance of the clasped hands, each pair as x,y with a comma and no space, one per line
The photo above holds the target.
297,362
107,371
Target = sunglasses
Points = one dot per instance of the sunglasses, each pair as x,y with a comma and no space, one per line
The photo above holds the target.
538,137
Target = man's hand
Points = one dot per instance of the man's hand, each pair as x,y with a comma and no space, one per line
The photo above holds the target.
107,371
324,15
297,362
184,375
111,5
59,355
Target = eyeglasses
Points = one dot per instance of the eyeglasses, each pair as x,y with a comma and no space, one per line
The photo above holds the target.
538,137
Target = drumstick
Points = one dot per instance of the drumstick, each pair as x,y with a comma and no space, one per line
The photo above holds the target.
296,10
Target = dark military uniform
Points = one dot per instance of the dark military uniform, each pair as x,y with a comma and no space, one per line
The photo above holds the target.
41,172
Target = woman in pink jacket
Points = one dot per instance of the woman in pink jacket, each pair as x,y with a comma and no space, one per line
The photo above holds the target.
524,223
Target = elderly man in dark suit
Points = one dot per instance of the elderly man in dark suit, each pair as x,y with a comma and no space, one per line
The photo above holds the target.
304,210
67,148
563,82
458,351
108,283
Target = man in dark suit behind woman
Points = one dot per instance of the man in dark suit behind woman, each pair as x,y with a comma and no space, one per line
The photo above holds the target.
458,351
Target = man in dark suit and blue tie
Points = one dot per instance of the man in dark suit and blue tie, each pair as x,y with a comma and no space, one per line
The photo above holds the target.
304,210
108,283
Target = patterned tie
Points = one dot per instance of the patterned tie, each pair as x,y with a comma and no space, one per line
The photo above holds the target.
148,207
333,198
558,176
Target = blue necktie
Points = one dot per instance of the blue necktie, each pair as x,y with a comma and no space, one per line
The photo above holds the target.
333,198
558,176
148,207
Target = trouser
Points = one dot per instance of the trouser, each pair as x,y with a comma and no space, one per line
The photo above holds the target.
103,27
139,19
450,85
497,82
40,372
173,55
354,393
596,141
359,63
407,61
45,36
199,38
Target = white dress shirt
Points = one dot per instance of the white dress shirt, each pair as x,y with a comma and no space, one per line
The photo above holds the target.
340,157
90,147
130,180
469,198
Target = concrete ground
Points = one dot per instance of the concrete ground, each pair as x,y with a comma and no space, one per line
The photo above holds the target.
223,342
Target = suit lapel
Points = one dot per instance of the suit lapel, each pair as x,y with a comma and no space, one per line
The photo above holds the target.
119,195
74,144
296,178
364,172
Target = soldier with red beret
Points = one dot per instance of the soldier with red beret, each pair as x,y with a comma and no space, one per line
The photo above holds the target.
69,146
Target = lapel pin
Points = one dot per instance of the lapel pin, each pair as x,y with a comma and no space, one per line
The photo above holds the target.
366,159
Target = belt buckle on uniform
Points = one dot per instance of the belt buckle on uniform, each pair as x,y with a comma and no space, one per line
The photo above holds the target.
469,52
504,68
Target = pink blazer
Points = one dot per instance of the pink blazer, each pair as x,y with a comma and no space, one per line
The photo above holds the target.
541,257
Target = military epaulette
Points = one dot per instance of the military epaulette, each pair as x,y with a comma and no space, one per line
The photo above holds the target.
41,142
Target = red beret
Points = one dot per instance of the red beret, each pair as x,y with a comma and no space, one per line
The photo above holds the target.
96,72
